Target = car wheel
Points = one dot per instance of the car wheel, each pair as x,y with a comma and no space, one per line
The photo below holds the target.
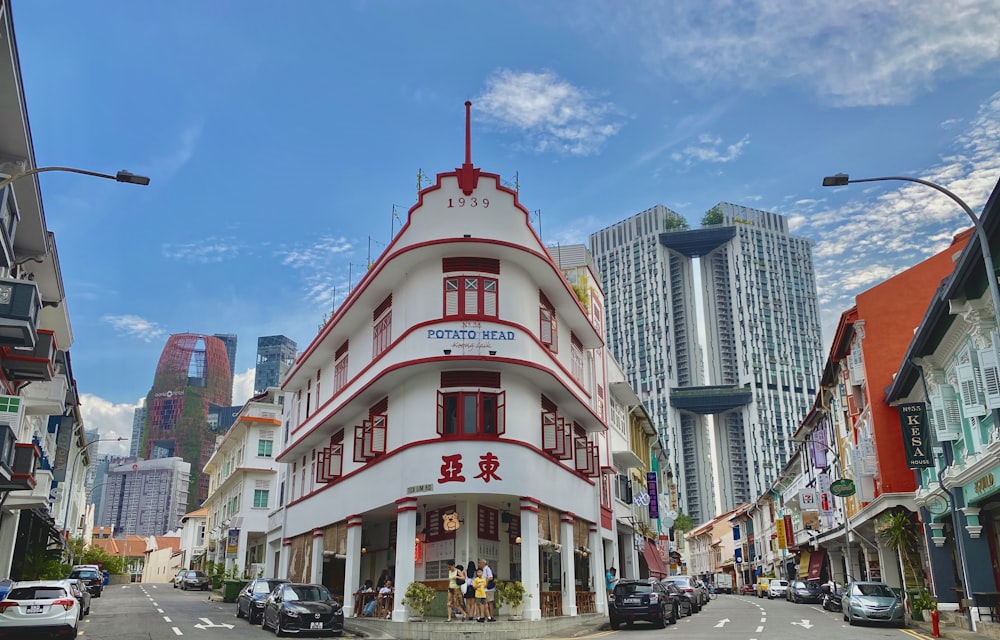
615,624
675,612
278,631
661,621
239,612
87,612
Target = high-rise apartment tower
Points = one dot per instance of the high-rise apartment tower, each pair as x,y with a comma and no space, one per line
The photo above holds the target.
726,409
275,355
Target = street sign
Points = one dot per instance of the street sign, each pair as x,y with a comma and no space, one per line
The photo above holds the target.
843,488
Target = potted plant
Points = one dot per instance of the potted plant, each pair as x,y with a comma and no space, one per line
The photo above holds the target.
512,594
418,597
921,601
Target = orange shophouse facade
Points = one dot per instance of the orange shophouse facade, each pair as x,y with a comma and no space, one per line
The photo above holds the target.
453,409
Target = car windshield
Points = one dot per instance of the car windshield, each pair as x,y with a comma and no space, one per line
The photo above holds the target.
86,574
632,587
36,593
680,581
873,590
306,593
264,587
196,574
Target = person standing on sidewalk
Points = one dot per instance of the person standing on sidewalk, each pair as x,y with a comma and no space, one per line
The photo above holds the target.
491,588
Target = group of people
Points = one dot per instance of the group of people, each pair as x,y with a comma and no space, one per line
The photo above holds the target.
471,592
372,595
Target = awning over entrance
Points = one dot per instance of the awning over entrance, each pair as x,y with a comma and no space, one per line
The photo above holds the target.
816,564
656,567
803,564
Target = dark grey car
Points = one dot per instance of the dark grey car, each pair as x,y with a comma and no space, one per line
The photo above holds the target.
195,580
646,600
250,602
302,609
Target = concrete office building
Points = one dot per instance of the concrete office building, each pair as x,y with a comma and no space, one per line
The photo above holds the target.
145,497
138,420
758,370
275,356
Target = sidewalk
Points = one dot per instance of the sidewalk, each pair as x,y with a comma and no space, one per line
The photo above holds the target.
953,632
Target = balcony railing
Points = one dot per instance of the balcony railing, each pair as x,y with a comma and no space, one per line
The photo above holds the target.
20,303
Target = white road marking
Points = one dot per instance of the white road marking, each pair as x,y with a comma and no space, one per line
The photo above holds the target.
177,631
760,629
167,619
159,611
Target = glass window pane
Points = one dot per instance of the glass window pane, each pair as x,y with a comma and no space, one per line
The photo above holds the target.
489,414
469,413
451,414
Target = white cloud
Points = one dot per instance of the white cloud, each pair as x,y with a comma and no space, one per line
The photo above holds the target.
110,420
315,255
203,251
171,161
243,386
710,149
552,114
848,53
135,326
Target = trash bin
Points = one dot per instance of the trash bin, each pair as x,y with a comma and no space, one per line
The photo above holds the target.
231,590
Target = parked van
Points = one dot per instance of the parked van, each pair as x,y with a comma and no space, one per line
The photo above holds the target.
762,587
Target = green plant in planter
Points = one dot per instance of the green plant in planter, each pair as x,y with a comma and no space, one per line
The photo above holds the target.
418,597
511,593
921,600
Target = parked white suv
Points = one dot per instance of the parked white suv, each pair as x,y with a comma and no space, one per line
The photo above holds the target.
777,589
39,607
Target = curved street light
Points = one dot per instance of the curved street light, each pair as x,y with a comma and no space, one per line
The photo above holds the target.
842,179
121,176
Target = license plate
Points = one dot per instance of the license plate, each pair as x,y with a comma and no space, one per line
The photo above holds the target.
315,625
633,600
878,614
34,608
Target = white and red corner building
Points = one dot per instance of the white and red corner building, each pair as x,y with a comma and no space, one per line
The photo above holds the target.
453,408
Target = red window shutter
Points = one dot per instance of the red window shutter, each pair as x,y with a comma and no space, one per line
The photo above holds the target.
501,413
321,466
378,434
545,326
471,297
382,307
440,413
567,447
559,450
481,265
581,458
490,297
485,379
335,461
550,436
594,468
359,444
341,351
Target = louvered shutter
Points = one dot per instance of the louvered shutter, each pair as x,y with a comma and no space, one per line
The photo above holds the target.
501,413
989,372
451,297
972,402
581,458
545,326
559,450
321,457
471,297
944,427
378,433
359,444
335,461
567,449
952,409
490,297
550,439
594,467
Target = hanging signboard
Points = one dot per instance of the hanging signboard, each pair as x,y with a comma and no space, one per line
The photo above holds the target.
916,438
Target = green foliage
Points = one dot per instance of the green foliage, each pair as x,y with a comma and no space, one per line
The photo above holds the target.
44,564
898,532
712,217
674,221
418,597
511,593
921,600
96,555
683,523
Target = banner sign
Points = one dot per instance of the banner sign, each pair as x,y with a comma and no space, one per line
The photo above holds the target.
789,532
654,505
62,426
233,541
916,438
808,500
738,555
736,532
779,530
826,507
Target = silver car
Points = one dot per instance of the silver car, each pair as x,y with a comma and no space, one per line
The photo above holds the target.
872,602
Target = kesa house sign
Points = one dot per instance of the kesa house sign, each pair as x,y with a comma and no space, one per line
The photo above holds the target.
471,335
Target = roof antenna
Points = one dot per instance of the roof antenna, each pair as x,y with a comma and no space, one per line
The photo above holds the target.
468,176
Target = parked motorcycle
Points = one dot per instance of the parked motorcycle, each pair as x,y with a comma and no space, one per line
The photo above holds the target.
832,597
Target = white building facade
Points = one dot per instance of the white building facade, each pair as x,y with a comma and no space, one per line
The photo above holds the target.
145,497
243,484
452,409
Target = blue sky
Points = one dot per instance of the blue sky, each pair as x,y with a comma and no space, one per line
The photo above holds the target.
279,136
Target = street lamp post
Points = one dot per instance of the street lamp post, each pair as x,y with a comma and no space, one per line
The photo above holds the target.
69,483
842,179
121,176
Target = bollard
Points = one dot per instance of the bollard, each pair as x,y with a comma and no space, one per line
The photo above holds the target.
935,628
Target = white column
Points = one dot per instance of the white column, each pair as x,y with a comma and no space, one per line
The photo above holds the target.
530,573
286,555
596,545
568,558
406,534
8,530
317,557
352,570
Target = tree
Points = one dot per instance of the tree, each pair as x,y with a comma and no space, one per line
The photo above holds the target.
673,221
683,523
897,531
712,217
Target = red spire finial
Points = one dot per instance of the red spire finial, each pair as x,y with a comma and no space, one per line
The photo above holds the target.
468,176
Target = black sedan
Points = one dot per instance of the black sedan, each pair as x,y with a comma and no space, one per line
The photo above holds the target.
642,600
803,591
250,602
302,608
90,577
